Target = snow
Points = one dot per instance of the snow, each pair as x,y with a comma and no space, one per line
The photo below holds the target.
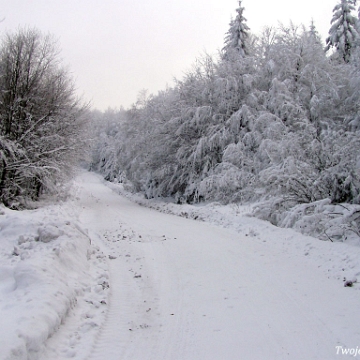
48,267
99,277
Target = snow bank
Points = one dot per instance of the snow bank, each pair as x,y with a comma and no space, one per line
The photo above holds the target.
321,219
45,259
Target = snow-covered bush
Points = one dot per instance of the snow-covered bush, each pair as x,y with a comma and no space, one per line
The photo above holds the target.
334,222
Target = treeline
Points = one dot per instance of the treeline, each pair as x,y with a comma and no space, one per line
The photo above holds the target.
275,118
41,121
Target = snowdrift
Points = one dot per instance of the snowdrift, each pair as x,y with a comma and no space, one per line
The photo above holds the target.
45,262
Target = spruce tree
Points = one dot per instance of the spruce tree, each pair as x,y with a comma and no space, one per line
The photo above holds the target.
343,34
314,34
237,36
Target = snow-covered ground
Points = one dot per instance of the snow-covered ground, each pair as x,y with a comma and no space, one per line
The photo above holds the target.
100,277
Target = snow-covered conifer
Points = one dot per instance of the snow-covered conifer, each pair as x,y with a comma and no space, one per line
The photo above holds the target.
237,35
314,34
344,33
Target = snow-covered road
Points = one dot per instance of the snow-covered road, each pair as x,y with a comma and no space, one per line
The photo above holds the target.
183,289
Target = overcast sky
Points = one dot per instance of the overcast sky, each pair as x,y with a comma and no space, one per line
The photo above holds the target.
115,48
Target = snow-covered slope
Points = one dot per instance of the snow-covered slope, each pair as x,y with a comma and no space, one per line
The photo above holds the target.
117,280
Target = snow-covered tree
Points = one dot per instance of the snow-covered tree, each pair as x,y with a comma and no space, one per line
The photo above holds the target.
105,127
344,32
41,120
276,122
314,34
236,39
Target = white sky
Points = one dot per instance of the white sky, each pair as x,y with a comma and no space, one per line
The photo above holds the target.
115,48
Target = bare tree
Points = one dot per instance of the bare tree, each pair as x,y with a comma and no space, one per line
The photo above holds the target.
41,120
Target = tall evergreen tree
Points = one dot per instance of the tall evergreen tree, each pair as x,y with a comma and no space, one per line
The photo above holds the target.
314,34
237,36
344,33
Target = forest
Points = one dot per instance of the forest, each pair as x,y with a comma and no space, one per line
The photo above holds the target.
272,120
